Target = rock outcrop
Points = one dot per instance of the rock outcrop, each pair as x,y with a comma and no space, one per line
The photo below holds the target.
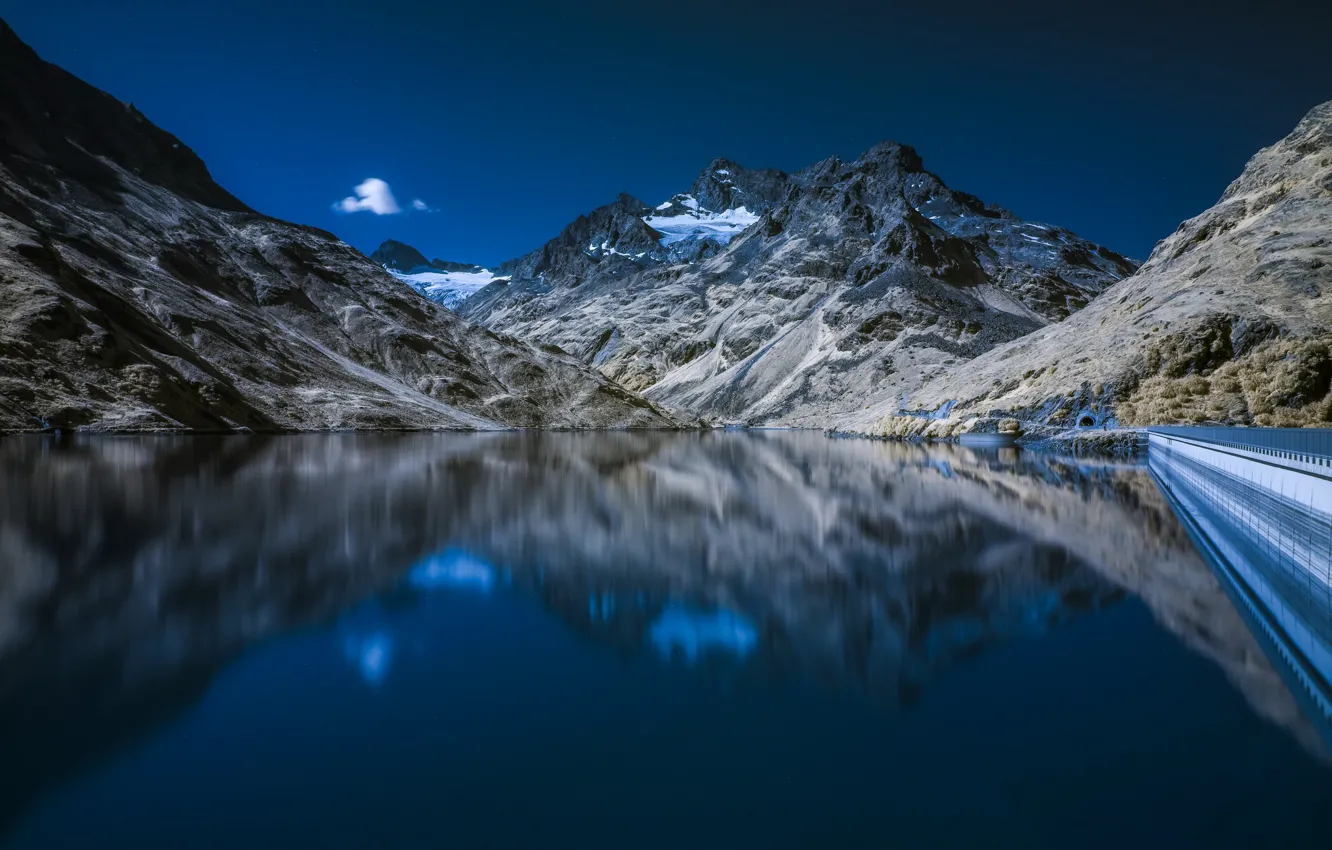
1228,321
764,297
137,294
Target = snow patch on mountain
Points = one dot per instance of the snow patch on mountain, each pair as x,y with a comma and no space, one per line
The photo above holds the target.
449,289
693,222
605,249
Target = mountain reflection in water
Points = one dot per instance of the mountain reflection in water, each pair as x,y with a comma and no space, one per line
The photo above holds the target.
134,571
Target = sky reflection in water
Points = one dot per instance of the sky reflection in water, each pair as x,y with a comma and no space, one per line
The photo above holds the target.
706,640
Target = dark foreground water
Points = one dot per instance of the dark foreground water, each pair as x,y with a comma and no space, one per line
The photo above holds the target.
762,640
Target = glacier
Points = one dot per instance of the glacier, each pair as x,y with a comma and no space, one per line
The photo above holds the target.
449,289
698,223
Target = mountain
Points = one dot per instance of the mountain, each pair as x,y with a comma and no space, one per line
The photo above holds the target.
609,240
451,288
446,283
399,257
136,293
724,201
1229,320
768,297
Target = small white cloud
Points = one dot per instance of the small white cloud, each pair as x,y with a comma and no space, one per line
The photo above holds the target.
373,196
420,205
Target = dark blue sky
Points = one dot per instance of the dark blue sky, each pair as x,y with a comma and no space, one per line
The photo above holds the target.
512,118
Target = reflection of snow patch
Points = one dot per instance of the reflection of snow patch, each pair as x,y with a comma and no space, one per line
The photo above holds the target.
695,633
371,655
453,568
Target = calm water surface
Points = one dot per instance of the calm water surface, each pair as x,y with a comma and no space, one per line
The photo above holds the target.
623,640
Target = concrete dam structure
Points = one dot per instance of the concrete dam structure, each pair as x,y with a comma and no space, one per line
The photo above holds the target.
1258,504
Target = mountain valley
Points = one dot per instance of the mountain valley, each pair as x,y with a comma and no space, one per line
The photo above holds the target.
137,294
763,297
863,295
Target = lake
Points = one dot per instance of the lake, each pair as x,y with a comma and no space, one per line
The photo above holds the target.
625,639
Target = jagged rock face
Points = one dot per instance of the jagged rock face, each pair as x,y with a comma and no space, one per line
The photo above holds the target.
1229,320
845,279
724,201
135,293
399,257
609,241
726,185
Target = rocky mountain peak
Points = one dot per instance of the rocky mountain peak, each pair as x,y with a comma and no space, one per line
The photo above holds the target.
613,238
626,203
399,257
778,298
403,258
889,161
893,156
627,235
726,185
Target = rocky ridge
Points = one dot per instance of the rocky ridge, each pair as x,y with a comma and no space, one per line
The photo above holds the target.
137,294
400,257
793,297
